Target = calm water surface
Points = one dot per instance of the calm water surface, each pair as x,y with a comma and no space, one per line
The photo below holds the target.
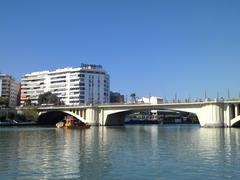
129,152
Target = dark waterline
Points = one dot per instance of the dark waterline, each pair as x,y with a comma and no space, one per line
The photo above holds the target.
127,152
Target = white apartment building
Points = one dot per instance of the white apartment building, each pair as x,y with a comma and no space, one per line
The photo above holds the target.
8,89
87,84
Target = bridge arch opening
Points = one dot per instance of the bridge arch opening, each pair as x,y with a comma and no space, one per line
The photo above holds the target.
52,117
162,116
235,122
236,125
118,118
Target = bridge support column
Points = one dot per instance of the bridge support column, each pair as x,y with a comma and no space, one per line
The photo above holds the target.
227,115
236,110
84,114
101,117
212,115
92,116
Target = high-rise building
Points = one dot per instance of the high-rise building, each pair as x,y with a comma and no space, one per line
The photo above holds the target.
8,89
87,84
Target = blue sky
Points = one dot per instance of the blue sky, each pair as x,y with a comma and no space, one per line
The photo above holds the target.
150,47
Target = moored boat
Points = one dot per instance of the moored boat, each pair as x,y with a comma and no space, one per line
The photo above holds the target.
72,123
60,124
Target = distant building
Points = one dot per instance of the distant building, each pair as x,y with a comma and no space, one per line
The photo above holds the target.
87,84
151,100
116,97
8,89
18,94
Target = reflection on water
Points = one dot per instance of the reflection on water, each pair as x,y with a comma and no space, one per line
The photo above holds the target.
130,152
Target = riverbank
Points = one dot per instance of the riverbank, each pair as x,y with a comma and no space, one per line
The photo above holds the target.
14,123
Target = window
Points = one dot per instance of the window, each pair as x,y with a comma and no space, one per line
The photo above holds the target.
74,80
81,75
81,97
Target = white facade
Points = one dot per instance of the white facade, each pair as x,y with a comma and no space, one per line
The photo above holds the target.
88,84
151,100
8,89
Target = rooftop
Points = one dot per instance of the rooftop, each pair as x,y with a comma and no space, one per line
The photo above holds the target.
91,67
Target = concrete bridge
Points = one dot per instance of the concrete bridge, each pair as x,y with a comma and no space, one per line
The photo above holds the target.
210,113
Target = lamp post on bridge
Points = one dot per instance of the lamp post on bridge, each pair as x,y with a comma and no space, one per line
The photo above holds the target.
228,94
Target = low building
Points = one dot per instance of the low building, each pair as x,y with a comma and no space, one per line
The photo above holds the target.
116,97
8,89
151,100
18,94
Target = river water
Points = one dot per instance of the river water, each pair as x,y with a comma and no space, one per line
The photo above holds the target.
128,152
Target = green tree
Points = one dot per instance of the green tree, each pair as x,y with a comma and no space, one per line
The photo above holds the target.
11,115
31,113
2,117
20,117
49,98
28,102
4,101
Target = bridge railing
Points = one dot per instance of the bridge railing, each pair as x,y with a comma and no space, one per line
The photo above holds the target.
178,101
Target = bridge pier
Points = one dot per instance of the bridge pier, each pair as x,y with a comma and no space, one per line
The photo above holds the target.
236,110
91,115
212,115
101,117
227,114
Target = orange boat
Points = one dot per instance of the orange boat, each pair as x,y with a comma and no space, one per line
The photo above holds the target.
72,123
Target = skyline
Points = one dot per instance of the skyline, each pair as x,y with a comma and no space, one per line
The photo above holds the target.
157,48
